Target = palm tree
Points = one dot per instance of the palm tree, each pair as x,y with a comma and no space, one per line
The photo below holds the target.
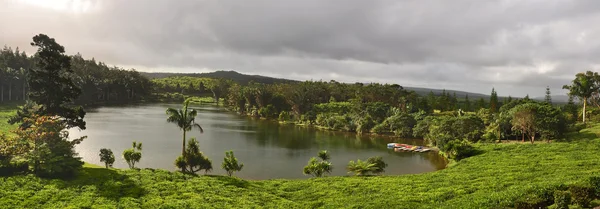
583,86
184,119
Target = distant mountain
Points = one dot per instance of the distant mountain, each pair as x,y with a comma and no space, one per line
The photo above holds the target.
556,98
233,75
459,94
245,79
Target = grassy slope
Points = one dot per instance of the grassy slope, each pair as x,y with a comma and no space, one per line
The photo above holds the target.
493,179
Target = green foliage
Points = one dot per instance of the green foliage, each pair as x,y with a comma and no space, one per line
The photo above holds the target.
582,195
318,167
364,124
267,112
334,107
380,165
562,199
378,111
401,125
193,160
458,150
133,155
107,157
469,127
50,82
45,145
230,163
360,168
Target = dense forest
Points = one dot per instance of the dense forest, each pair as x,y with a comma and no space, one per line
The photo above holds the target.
100,84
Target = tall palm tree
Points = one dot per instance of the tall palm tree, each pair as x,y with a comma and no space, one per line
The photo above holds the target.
583,86
184,119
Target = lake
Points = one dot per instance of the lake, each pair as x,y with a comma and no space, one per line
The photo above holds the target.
267,149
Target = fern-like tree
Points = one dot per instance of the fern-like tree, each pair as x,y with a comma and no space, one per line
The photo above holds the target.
193,160
374,165
230,163
107,157
380,165
184,119
360,168
133,155
318,168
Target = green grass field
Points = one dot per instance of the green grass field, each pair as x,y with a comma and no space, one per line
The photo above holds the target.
493,179
6,111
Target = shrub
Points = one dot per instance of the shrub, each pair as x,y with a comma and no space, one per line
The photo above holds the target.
562,199
360,168
318,168
53,154
380,165
107,157
581,195
230,163
459,149
133,155
193,160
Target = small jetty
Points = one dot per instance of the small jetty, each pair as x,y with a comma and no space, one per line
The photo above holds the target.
409,148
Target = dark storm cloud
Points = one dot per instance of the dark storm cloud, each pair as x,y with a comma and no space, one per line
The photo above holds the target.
519,47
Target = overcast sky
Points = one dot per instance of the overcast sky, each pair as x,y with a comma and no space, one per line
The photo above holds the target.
519,47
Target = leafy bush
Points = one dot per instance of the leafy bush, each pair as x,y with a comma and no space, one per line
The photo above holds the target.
459,149
582,195
133,155
562,199
107,157
380,165
360,168
193,160
230,163
318,168
53,154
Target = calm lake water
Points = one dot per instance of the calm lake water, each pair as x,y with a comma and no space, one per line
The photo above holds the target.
267,149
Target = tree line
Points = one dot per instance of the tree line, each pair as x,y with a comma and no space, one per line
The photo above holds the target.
99,83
